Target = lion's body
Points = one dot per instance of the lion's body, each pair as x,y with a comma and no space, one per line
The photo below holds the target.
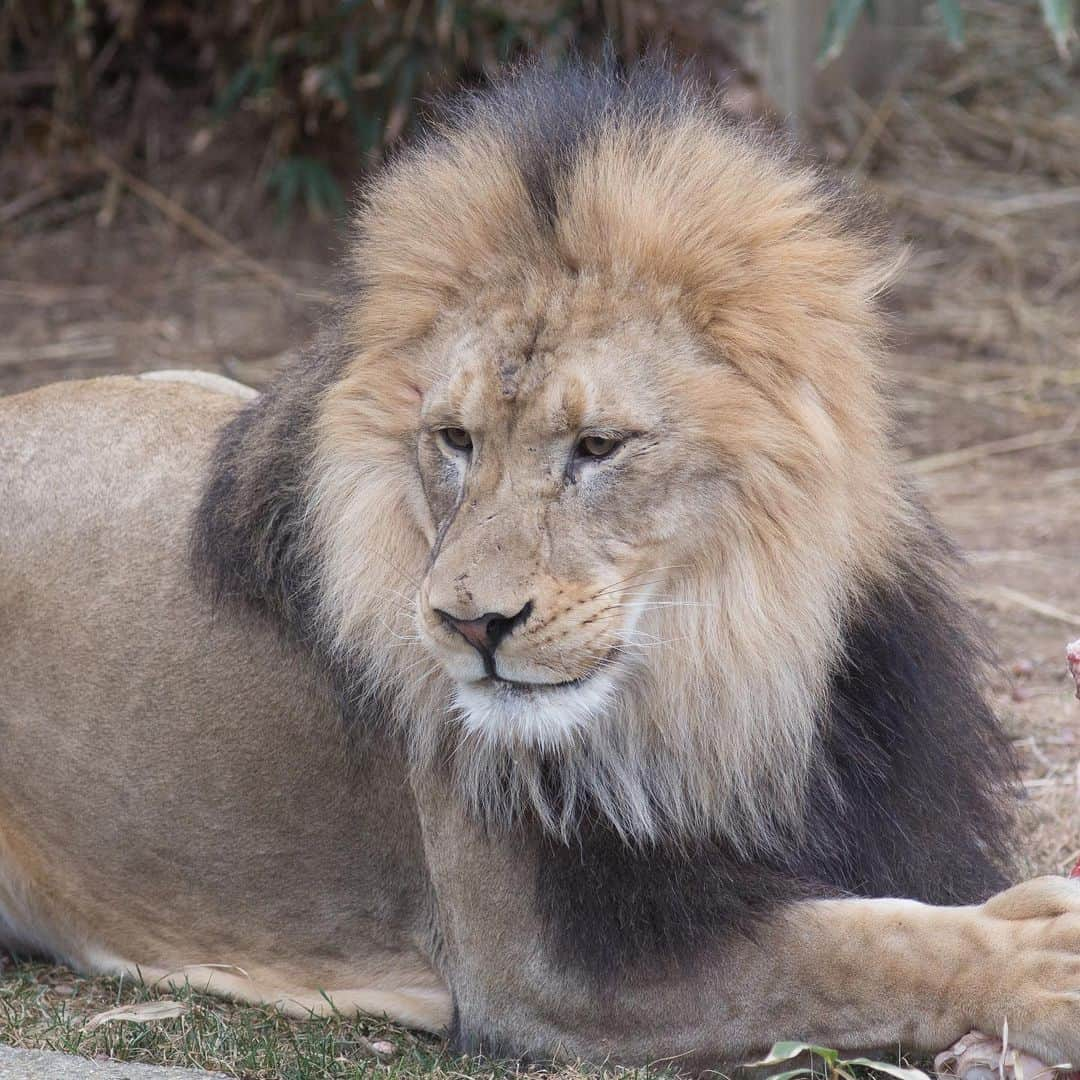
553,654
185,761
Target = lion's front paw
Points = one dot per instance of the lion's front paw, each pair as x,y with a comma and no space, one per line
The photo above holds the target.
1032,979
1042,897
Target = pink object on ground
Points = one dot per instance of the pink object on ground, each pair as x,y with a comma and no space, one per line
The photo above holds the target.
1072,655
984,1057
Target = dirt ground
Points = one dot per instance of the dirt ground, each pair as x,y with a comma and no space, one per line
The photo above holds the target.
978,168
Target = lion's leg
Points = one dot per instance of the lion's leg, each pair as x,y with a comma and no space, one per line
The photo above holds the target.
411,994
854,974
850,974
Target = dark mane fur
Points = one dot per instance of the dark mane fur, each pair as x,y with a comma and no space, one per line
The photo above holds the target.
920,804
249,534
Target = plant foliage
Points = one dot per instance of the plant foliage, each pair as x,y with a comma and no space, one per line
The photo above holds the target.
821,1063
318,78
842,15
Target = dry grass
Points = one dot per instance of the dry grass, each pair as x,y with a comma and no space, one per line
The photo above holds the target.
977,158
52,1008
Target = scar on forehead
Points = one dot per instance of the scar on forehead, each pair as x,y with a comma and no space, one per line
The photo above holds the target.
509,378
512,369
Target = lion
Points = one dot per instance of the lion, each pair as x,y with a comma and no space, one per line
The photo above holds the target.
554,656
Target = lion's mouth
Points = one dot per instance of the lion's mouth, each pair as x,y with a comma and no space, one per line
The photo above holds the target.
515,686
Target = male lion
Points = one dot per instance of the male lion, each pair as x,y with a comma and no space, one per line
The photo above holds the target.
553,656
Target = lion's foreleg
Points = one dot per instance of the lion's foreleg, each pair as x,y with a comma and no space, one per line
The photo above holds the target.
851,974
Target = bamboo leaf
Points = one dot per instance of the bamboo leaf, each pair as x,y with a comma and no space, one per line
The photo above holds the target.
897,1071
790,1074
953,17
284,182
839,22
234,91
1059,18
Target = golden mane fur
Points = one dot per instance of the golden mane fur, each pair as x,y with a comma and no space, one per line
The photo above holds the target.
683,211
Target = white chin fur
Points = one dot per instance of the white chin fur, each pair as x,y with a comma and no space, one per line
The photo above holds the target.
540,718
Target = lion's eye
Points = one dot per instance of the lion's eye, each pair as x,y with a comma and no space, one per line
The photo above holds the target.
597,446
456,438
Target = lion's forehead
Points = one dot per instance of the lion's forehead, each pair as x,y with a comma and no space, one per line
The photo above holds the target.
552,372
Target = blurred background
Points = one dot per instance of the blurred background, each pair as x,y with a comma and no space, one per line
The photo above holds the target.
174,178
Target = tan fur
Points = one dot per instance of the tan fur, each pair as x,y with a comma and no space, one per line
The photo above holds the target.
209,380
137,823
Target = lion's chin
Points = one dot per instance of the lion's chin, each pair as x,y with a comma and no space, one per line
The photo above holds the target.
543,716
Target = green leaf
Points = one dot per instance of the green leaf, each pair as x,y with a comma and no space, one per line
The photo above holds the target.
790,1074
267,73
367,129
954,21
840,20
1059,18
234,91
307,178
350,55
898,1071
327,192
785,1051
284,181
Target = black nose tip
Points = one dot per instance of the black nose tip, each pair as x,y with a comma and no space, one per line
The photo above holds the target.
488,631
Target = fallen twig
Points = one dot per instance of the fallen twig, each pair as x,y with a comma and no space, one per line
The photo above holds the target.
1028,441
38,293
28,200
77,349
1015,598
198,228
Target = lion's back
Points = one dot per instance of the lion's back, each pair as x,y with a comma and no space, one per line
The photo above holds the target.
95,445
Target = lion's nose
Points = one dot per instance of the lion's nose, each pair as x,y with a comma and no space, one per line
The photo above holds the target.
489,630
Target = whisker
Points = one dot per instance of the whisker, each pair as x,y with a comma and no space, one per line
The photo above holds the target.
648,604
638,574
426,658
390,562
651,644
394,634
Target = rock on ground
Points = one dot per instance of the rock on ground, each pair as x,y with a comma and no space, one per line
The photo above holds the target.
47,1065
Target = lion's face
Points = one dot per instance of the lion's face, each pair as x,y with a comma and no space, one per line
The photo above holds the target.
564,484
606,468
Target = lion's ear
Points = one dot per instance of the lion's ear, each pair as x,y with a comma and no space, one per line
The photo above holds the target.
249,533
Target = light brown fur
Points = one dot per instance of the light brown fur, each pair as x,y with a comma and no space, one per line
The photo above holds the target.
136,823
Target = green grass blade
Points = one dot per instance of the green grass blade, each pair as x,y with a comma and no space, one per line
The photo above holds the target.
953,17
898,1071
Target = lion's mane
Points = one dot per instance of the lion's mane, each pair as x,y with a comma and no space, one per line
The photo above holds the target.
828,733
